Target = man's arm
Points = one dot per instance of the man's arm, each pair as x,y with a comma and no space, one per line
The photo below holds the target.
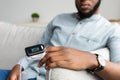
111,71
112,68
15,73
16,70
78,60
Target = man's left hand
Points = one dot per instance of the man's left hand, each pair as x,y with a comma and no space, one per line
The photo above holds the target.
68,58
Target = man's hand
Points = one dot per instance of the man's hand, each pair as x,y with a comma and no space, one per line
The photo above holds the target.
15,73
68,58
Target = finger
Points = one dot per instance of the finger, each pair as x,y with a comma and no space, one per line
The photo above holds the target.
50,65
55,59
62,64
42,61
47,57
54,48
52,61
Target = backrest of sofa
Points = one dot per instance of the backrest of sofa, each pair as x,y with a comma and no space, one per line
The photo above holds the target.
13,40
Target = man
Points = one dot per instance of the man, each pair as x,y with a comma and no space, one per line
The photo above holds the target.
70,37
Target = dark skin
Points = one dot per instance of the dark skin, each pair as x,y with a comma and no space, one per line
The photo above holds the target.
74,59
70,58
62,57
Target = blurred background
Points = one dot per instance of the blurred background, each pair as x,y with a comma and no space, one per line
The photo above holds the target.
19,11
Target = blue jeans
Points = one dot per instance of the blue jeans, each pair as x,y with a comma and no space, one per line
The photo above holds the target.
4,74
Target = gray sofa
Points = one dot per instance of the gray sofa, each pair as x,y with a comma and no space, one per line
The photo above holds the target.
13,40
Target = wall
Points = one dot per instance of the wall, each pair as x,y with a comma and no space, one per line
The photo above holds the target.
110,9
20,10
17,11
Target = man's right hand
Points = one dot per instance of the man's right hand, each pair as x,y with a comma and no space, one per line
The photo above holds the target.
15,73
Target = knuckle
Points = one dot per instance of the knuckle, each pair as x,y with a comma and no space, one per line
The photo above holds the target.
49,55
52,65
58,63
51,59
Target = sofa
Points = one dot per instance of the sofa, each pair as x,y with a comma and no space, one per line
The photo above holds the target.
13,40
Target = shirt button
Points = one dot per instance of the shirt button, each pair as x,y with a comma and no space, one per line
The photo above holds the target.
73,33
88,40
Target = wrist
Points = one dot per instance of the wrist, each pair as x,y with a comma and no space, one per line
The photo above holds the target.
100,64
94,62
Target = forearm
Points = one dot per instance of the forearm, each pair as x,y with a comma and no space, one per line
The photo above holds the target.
111,71
16,69
14,75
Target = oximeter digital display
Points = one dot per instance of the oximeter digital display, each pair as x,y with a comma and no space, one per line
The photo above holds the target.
34,50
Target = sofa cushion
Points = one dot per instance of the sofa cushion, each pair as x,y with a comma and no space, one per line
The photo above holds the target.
67,74
13,40
4,74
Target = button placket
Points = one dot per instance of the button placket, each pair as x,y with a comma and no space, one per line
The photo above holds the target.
74,32
78,27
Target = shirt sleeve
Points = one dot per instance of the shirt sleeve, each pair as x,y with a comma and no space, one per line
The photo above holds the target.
45,39
48,33
114,44
23,62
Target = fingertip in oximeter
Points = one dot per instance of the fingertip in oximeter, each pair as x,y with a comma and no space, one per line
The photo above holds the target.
35,51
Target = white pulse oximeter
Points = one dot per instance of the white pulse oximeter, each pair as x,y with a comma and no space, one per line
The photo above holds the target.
35,52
